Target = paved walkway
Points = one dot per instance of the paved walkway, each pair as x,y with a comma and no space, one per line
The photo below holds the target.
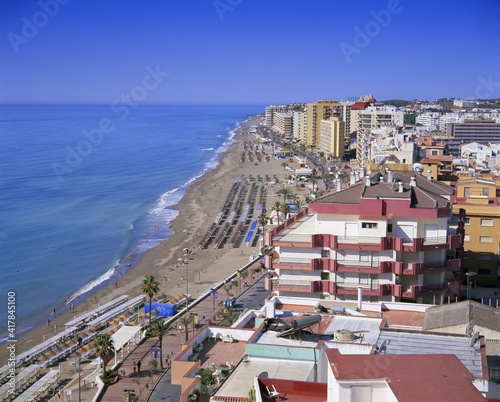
143,383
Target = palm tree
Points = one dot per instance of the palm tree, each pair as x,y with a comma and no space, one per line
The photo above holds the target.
159,329
263,220
229,315
284,192
285,208
299,204
104,349
185,321
284,164
277,209
150,287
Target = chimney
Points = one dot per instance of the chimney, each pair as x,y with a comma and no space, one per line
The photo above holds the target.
413,181
368,182
360,298
339,185
381,180
429,175
389,176
353,178
357,176
401,186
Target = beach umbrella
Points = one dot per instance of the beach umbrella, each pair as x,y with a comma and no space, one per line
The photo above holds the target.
88,346
42,358
49,352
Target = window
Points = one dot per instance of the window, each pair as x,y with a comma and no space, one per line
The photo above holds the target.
389,227
466,191
369,225
325,253
466,255
483,272
467,221
363,279
486,222
485,239
466,237
484,256
486,191
434,152
325,276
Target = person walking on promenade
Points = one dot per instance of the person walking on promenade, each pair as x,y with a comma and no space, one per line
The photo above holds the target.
139,366
134,366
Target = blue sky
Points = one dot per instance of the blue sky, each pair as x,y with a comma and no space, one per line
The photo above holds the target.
247,51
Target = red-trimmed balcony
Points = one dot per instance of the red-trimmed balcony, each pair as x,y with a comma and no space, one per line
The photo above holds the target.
412,268
366,243
411,291
292,285
363,267
368,290
449,265
303,264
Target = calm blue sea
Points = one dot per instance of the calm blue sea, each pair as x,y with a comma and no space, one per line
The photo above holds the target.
82,187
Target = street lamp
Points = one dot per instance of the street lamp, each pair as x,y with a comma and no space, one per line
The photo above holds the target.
185,261
469,275
79,341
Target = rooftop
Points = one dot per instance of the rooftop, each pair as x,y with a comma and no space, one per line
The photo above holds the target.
442,376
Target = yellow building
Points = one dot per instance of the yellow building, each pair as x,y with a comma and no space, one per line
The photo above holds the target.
331,137
317,111
482,235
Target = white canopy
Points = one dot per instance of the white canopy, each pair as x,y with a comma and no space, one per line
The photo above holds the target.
124,335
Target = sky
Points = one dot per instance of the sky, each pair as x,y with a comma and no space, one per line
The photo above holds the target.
247,51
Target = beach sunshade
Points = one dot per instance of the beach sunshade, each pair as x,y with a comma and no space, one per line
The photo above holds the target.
49,352
42,358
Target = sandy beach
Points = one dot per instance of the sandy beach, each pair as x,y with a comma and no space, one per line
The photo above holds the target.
197,211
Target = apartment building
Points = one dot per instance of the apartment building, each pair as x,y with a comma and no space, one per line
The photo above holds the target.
331,140
388,235
370,118
477,196
317,111
299,125
483,131
283,123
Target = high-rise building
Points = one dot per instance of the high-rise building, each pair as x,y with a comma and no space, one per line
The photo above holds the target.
283,122
299,125
471,131
370,118
317,111
386,236
331,139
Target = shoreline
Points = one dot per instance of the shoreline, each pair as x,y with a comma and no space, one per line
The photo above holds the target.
196,211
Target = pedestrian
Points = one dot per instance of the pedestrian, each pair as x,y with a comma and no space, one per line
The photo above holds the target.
139,366
48,322
134,367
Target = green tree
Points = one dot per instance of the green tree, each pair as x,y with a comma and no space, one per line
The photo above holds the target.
284,164
150,287
285,208
299,204
263,220
160,329
229,316
326,177
185,321
104,349
285,191
277,208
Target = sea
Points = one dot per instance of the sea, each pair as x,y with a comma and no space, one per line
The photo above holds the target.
83,188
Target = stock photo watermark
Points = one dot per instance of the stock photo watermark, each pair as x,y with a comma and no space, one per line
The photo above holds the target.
225,6
486,87
364,36
31,26
11,342
94,137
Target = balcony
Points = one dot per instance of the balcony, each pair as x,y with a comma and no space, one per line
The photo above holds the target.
409,292
450,265
434,289
374,290
362,267
290,285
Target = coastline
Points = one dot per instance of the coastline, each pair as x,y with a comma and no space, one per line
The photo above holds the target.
196,211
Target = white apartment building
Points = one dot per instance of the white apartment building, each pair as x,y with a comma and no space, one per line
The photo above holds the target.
331,137
283,122
370,118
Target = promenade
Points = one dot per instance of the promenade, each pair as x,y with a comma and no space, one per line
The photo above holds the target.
142,384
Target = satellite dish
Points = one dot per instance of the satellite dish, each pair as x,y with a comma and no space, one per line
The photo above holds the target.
474,339
469,329
418,167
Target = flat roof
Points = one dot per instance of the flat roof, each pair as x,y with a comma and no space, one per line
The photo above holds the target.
241,379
